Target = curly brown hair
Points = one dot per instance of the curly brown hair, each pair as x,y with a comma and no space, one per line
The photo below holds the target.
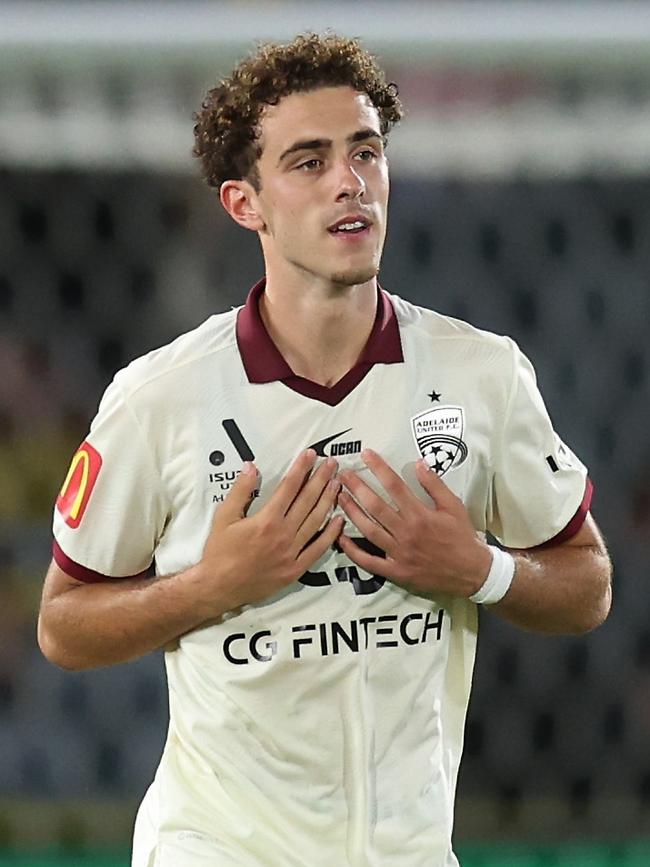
227,126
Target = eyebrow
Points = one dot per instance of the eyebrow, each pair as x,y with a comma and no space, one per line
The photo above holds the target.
323,143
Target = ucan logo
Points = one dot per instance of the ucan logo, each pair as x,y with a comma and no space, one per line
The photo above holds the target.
79,483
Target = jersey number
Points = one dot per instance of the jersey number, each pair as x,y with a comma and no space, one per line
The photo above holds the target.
360,585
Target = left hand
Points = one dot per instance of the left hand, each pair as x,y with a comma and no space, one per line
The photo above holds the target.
430,548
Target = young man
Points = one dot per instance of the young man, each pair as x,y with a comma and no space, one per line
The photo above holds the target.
314,474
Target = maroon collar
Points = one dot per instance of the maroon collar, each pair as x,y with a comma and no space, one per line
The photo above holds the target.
264,363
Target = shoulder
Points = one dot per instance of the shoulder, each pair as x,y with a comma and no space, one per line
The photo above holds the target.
431,329
180,359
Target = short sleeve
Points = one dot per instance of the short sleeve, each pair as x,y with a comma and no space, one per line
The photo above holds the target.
540,489
110,512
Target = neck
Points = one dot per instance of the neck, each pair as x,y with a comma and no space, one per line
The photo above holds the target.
320,330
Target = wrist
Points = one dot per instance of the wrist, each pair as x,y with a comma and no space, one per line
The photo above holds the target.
480,567
194,587
498,580
209,594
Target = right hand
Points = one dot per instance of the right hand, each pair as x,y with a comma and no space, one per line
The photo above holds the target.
246,560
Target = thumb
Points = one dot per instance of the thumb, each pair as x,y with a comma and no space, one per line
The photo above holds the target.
239,497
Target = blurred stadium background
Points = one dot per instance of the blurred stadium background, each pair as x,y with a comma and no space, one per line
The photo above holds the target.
521,202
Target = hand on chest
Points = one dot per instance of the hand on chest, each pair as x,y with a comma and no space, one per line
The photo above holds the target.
400,428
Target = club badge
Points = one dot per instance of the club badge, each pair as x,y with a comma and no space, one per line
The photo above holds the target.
438,434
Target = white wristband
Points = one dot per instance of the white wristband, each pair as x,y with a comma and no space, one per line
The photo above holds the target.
498,580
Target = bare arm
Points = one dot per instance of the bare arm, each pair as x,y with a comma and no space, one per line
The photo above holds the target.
563,589
432,549
244,561
88,625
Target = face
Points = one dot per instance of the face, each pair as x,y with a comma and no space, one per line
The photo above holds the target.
323,186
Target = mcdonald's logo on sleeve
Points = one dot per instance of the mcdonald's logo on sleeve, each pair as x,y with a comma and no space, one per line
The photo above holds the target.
79,483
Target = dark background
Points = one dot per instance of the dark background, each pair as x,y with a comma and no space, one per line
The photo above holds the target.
520,202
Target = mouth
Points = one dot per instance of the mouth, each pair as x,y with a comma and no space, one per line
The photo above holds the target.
351,226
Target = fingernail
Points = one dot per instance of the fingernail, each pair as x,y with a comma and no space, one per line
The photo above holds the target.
249,468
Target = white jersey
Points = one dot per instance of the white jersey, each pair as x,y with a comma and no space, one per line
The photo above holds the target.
323,726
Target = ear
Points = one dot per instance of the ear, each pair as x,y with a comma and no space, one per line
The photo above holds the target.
240,201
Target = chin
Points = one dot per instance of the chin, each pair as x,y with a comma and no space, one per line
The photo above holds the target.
355,276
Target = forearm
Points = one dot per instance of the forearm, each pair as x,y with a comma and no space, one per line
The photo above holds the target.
93,625
563,590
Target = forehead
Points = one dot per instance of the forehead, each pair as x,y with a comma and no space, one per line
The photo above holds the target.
326,113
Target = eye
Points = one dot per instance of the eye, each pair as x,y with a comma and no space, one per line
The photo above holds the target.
366,155
308,165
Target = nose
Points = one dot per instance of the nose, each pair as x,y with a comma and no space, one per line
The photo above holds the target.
351,185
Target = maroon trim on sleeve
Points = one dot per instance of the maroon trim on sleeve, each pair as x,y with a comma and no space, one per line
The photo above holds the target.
83,573
575,523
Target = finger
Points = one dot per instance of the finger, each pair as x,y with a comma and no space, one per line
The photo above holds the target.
318,515
370,562
310,493
319,546
239,497
366,526
391,482
442,496
291,483
374,505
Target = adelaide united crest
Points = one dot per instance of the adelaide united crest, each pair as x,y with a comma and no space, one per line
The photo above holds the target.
438,434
